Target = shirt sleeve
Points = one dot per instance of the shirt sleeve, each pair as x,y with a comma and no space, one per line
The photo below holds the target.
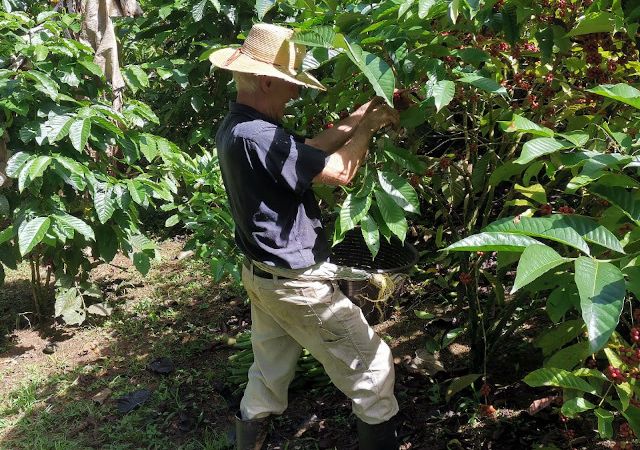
290,161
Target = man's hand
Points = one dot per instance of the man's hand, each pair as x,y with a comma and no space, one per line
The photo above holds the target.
379,115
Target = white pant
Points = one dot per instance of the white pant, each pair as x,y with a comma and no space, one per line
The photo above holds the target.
287,315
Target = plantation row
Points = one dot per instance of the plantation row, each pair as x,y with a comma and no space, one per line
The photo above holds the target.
517,154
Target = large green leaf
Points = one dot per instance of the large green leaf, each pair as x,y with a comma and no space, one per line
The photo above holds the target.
76,223
561,300
535,261
104,202
79,133
592,231
38,167
459,383
521,124
559,336
575,406
400,191
44,83
263,7
392,214
600,22
142,262
371,234
375,69
602,289
632,414
352,211
621,92
605,423
323,36
70,306
569,357
538,147
424,6
16,162
553,228
627,202
492,242
483,83
31,233
6,234
443,92
550,376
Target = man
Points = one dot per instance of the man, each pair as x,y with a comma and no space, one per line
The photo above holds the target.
268,173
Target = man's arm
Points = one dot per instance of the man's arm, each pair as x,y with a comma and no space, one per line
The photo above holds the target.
333,138
343,164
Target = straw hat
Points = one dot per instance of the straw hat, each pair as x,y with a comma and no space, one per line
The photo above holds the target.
267,51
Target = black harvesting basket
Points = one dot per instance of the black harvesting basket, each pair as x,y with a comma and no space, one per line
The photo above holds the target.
393,257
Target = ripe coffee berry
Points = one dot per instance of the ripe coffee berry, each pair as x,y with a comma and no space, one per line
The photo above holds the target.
329,125
566,210
625,431
612,65
485,390
444,163
635,334
465,278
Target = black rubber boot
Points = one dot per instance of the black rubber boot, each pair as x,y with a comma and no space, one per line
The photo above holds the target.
381,436
250,434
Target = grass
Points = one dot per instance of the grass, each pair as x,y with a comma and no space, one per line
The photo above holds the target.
175,313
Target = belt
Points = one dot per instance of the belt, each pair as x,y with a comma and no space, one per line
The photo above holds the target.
262,273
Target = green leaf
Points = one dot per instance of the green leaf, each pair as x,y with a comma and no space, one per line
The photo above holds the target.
602,289
31,233
550,376
424,6
77,224
44,83
454,10
142,262
559,335
485,84
592,231
375,69
352,211
632,414
627,202
135,77
197,12
535,192
16,162
424,315
621,92
569,357
536,260
520,124
560,301
392,214
38,167
371,234
70,306
23,176
323,36
107,241
458,384
172,221
575,406
443,92
492,242
553,228
58,127
600,22
79,133
104,202
625,392
6,234
605,423
400,191
263,7
538,147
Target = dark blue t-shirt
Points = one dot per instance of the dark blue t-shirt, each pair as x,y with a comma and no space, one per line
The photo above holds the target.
267,173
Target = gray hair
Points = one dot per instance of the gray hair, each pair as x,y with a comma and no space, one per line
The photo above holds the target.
245,82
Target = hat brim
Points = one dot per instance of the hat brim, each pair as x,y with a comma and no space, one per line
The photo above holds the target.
243,63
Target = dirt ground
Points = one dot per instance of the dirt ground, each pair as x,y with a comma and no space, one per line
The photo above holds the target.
67,396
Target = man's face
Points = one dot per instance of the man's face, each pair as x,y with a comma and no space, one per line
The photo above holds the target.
281,92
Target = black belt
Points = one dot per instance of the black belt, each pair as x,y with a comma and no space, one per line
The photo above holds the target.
262,273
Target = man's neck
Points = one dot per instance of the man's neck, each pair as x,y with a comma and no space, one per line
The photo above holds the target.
257,102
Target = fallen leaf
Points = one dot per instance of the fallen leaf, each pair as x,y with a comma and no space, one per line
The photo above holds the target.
101,396
541,403
132,400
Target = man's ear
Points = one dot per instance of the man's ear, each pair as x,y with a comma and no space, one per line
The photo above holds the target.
265,83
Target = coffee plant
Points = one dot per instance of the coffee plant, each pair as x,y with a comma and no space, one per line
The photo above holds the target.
78,171
514,169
